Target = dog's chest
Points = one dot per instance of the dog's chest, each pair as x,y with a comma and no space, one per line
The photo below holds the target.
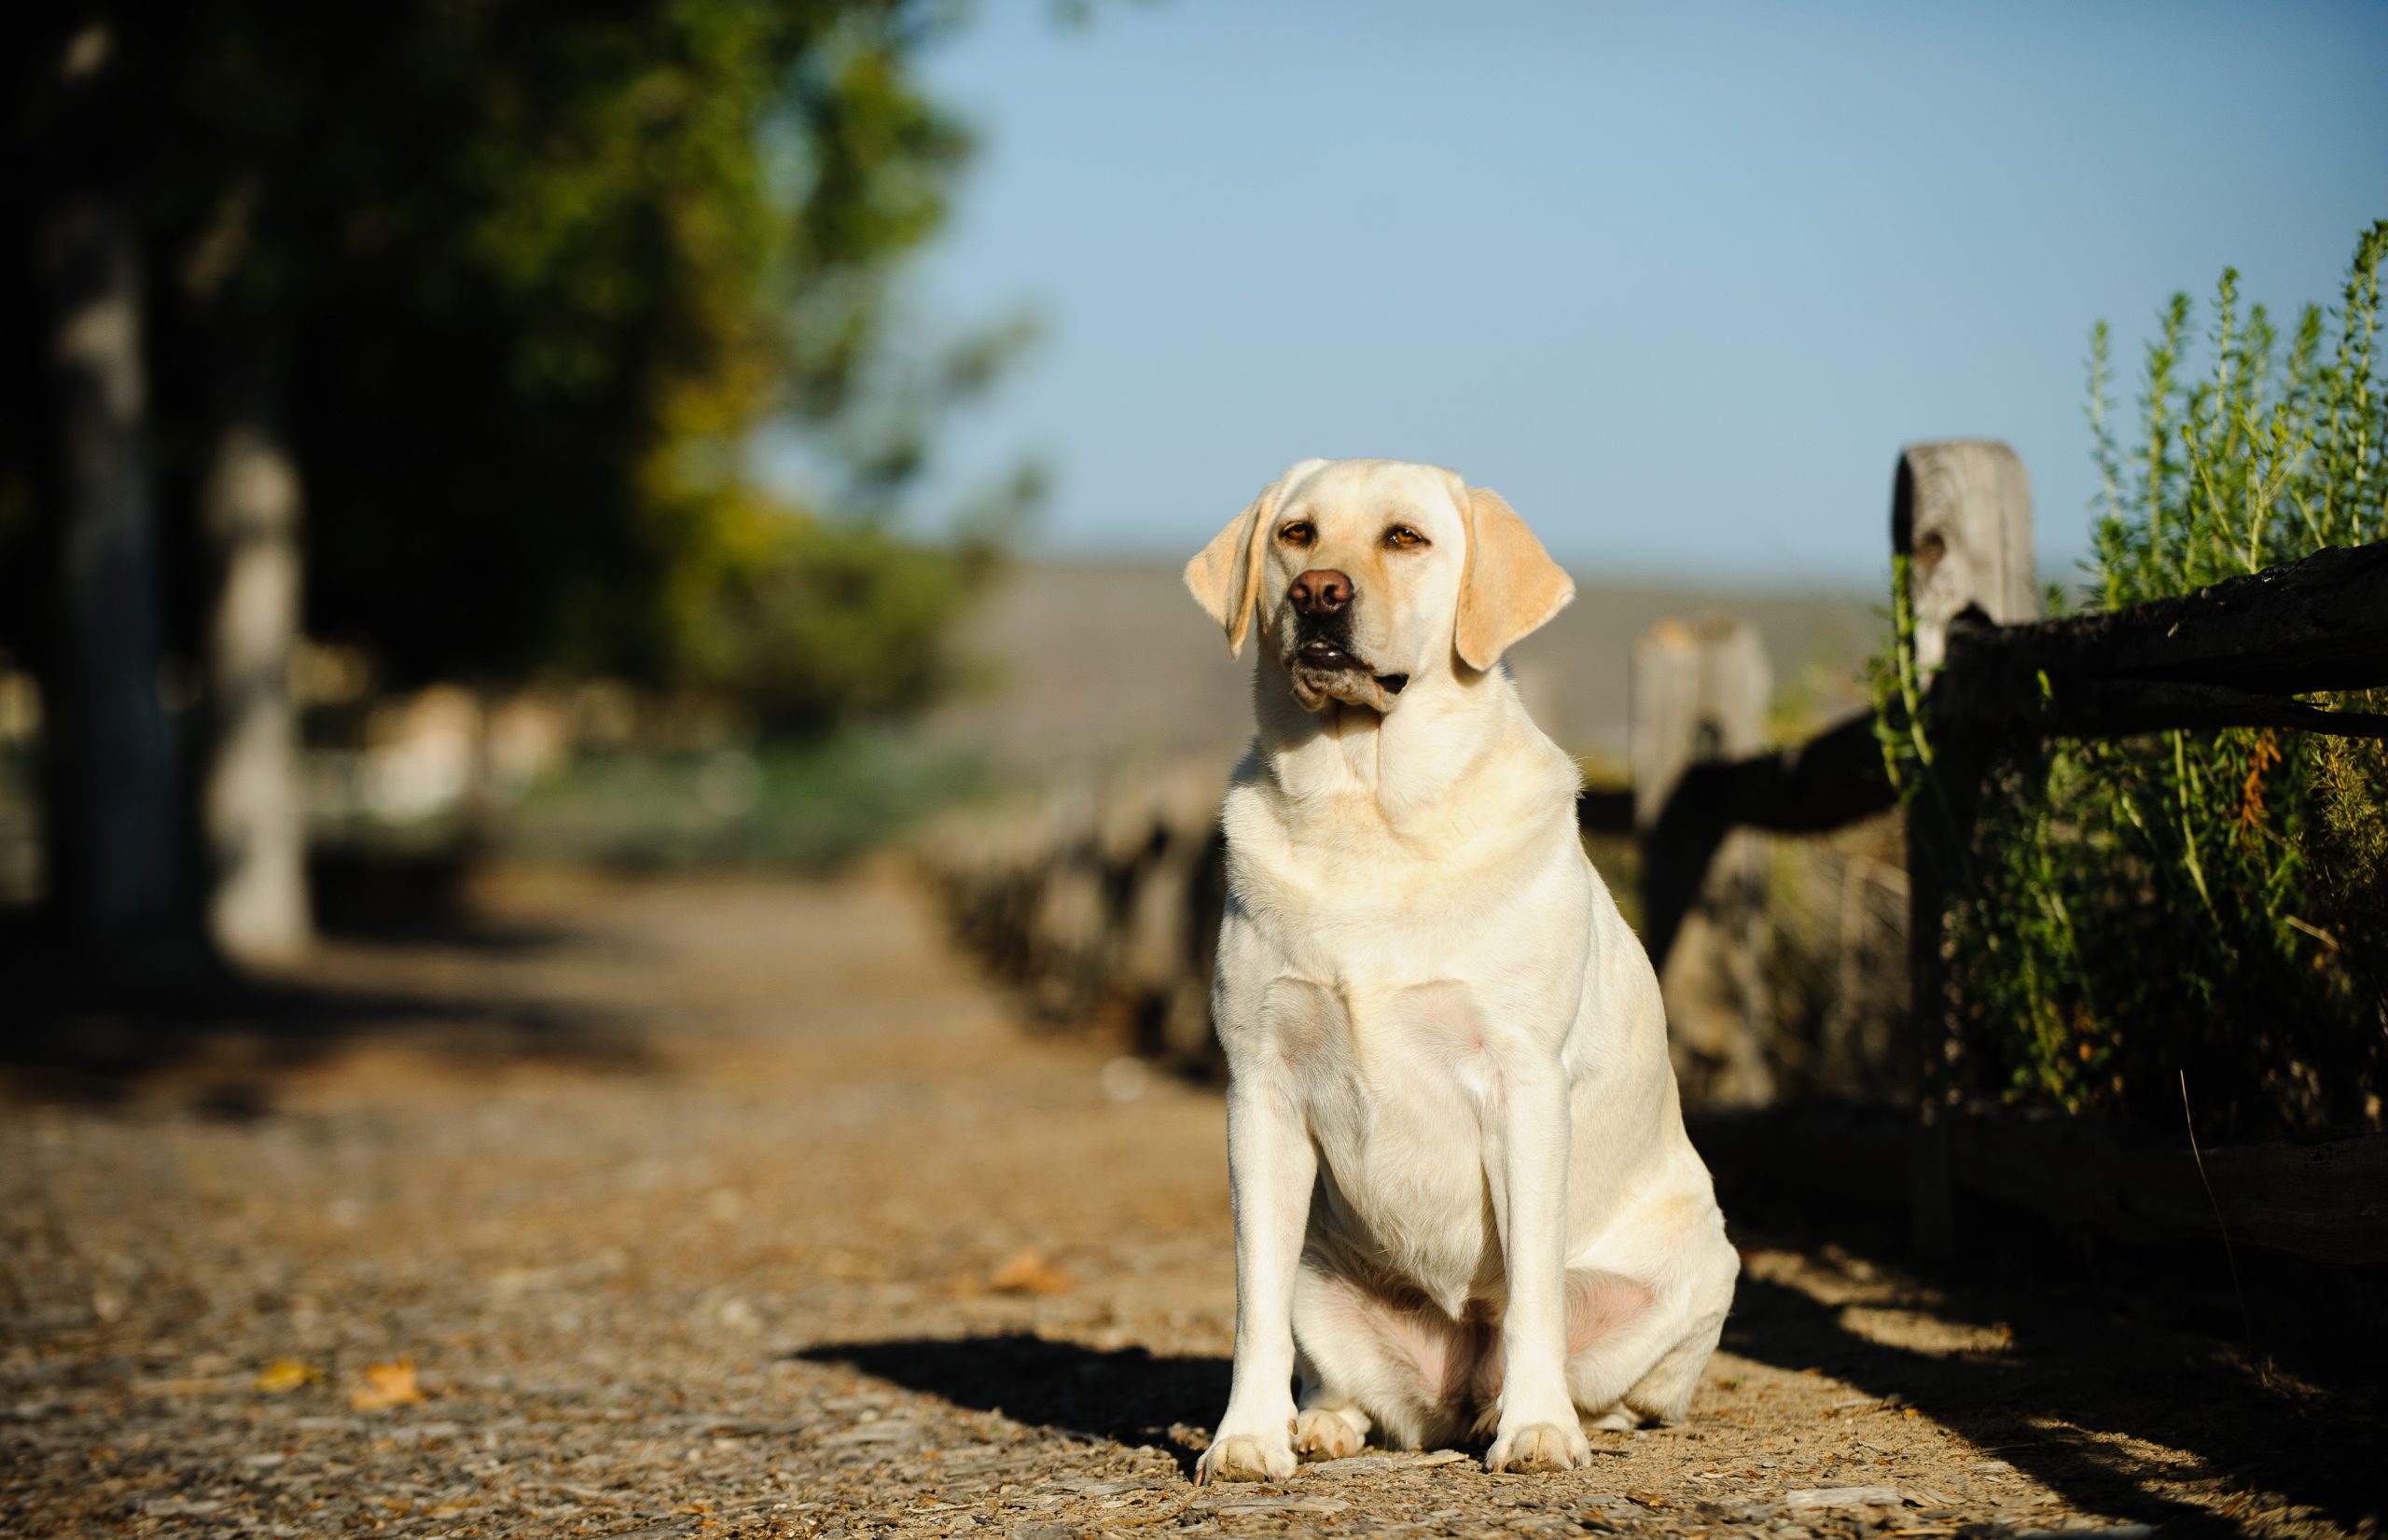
1396,1084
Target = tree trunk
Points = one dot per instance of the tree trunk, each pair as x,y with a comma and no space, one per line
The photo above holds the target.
114,824
252,806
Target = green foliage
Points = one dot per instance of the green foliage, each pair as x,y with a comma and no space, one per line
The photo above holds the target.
660,227
2207,903
834,622
537,275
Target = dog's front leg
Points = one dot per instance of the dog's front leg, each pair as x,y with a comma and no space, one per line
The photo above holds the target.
1270,1166
1540,1429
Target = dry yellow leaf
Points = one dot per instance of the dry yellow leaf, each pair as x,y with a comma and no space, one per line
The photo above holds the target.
391,1385
1029,1274
286,1374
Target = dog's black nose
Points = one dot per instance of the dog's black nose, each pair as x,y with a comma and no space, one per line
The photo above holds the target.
1321,590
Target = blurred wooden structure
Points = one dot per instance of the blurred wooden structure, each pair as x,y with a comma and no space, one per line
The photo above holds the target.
1700,694
1099,906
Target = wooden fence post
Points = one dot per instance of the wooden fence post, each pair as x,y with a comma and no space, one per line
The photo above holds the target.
1699,692
1961,515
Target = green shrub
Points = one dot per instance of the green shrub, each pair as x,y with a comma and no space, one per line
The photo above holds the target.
814,625
2209,905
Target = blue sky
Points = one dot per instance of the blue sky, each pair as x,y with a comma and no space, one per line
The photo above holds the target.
1678,280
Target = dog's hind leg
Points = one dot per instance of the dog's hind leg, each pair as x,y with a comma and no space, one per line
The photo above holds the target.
1634,1356
1372,1365
1613,1334
1664,1393
1327,1425
1616,1329
1325,1431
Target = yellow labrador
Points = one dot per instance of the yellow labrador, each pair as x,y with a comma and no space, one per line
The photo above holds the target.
1464,1198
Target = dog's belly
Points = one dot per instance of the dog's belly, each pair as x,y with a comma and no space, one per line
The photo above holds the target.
1396,1084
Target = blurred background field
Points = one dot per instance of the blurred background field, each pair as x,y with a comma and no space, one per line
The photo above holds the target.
1069,670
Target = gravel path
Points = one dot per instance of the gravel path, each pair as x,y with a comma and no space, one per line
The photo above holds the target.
742,1208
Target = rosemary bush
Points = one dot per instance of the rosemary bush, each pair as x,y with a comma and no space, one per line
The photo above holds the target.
2212,905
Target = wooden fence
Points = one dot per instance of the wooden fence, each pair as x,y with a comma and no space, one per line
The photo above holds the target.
1105,903
2228,655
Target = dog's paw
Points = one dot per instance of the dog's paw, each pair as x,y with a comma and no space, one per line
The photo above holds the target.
1539,1446
1246,1457
1325,1436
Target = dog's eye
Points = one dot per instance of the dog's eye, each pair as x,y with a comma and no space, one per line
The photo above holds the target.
1402,538
1297,534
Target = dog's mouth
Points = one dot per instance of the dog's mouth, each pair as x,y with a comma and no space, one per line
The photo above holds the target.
1324,668
1326,655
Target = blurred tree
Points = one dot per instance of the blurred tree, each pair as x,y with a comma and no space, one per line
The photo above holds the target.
112,785
513,286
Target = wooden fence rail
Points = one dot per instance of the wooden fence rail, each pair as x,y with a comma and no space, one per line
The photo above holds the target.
2227,655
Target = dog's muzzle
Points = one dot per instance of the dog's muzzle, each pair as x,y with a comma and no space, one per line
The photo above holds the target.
1324,668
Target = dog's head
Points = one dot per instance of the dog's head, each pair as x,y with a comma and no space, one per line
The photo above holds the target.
1366,574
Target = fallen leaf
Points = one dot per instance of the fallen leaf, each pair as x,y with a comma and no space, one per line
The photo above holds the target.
1029,1274
286,1374
391,1385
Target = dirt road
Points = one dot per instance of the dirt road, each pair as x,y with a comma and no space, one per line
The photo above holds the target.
742,1208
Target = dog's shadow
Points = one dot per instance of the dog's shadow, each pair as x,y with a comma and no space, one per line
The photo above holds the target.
1126,1395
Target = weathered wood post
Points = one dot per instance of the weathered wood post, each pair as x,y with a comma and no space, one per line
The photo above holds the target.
252,809
1960,519
1698,692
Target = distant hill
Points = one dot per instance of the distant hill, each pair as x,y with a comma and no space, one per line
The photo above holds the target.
1097,661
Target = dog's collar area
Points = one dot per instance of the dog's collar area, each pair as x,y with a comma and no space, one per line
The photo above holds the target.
1391,682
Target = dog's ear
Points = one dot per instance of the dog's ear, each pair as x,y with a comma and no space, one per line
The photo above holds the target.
1509,586
1226,576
